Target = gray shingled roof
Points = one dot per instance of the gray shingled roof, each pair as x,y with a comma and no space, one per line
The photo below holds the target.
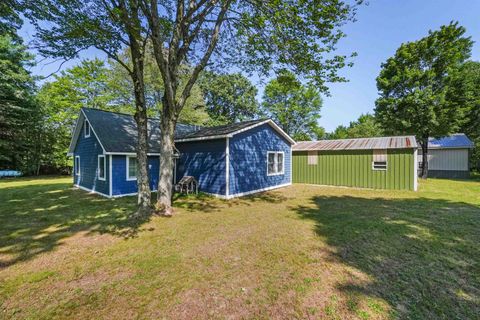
402,142
458,140
208,132
117,132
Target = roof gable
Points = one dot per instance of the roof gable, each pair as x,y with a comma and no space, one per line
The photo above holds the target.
117,132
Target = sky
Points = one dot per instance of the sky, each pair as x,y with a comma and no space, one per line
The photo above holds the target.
381,27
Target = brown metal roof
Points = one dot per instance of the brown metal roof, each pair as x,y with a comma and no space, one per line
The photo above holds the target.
399,142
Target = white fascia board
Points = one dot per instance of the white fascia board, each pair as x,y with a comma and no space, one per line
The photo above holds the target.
93,130
272,124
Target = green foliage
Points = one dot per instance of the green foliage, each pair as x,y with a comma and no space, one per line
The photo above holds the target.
229,97
121,85
413,85
19,114
366,126
464,94
294,106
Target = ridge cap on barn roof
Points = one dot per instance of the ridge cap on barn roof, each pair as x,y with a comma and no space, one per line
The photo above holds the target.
389,142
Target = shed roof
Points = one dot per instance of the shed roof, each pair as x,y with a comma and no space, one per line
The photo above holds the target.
399,142
457,140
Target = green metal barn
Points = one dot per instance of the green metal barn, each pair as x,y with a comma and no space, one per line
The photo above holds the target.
378,163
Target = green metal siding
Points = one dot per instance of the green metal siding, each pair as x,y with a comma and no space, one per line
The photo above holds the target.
353,168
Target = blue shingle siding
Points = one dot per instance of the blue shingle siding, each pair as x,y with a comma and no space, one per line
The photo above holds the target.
88,149
121,185
205,160
248,159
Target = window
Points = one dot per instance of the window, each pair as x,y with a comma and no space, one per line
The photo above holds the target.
275,163
132,168
87,129
312,157
77,165
101,167
379,159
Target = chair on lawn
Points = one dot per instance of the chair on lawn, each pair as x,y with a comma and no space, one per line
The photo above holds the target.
187,185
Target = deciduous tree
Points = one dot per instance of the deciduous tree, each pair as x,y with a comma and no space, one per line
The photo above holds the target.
413,86
294,106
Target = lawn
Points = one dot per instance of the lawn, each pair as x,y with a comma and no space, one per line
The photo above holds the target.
298,252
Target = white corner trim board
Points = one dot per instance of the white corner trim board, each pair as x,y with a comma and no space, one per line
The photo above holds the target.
227,165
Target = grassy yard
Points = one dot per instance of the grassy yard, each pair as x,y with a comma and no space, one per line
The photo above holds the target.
299,252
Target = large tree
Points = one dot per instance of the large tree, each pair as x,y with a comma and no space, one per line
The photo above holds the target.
294,106
252,34
464,94
413,86
20,116
229,97
66,27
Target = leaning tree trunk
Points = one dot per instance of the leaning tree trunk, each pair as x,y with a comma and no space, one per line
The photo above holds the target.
424,145
144,192
165,181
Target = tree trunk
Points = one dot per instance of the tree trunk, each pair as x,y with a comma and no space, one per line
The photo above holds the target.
143,181
424,145
165,181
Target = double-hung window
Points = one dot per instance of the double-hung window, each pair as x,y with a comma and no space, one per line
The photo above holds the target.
132,168
77,165
275,163
101,167
87,129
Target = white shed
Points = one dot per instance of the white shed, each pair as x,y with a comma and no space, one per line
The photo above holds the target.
448,157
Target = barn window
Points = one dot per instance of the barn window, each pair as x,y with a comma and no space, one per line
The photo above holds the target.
312,157
101,167
379,159
77,165
275,163
87,129
132,168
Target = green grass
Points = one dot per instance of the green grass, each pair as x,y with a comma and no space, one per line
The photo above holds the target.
298,252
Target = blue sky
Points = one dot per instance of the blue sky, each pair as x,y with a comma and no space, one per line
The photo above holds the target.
381,27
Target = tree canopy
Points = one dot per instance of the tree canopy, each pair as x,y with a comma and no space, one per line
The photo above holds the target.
366,126
229,97
413,86
294,106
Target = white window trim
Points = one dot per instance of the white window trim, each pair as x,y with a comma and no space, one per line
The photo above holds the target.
379,169
104,167
85,125
275,162
128,164
77,168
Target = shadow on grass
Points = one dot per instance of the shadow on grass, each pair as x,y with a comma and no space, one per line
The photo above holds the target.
204,202
423,255
35,218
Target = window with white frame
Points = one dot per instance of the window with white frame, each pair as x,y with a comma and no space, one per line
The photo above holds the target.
86,127
77,165
275,163
101,167
132,168
379,159
312,157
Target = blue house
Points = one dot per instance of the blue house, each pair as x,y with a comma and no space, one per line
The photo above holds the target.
228,161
